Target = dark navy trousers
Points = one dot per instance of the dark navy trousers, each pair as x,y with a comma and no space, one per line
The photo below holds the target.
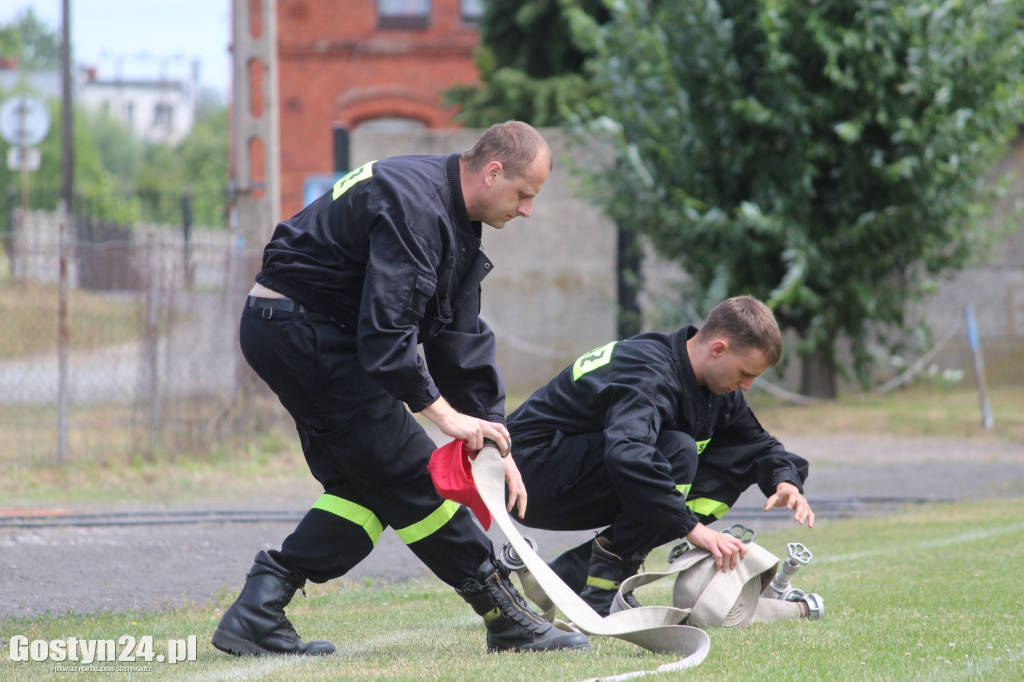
363,446
569,489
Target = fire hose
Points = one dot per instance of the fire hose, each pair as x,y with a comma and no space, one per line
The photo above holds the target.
710,598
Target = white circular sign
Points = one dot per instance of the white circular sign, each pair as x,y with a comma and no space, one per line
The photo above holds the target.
24,120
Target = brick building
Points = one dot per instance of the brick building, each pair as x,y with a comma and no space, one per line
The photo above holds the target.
346,64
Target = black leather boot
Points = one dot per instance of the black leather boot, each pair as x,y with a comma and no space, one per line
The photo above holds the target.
255,624
607,571
510,623
572,566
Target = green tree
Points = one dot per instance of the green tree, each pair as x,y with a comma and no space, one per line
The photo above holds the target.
118,177
828,156
197,166
531,63
31,42
97,188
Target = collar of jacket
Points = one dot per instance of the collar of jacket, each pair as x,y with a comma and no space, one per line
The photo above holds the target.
458,201
687,375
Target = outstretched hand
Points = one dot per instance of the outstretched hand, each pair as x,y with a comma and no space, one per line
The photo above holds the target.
788,495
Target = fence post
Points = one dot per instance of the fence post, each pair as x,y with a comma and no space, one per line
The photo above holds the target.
153,343
62,336
186,228
979,367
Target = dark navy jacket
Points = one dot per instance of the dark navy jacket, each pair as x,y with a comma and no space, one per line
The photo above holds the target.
390,252
632,390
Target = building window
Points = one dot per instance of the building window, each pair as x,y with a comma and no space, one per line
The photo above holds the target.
163,116
471,11
403,13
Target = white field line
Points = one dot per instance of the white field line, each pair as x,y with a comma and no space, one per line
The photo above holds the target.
979,669
263,666
969,536
254,668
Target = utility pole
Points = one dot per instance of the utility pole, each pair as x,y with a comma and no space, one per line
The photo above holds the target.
255,194
67,175
256,202
67,140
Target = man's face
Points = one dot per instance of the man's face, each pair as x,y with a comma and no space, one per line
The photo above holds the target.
733,370
507,198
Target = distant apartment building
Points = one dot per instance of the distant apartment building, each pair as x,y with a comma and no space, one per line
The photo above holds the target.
160,111
353,63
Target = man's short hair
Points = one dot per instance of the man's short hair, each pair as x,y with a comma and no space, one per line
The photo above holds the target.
514,144
748,324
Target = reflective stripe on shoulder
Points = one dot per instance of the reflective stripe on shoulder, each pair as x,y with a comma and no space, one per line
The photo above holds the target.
362,173
599,357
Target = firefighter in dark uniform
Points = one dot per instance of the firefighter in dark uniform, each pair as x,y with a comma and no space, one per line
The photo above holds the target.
389,259
652,439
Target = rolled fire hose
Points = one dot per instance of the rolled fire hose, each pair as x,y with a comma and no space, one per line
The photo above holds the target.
714,598
702,596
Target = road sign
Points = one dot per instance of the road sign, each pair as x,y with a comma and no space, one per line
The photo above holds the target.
24,120
23,158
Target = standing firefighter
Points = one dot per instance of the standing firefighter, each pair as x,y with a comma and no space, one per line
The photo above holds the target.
387,260
652,437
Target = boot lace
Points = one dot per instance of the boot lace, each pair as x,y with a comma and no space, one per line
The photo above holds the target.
511,603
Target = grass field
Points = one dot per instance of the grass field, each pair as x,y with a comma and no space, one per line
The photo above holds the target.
31,311
922,409
930,593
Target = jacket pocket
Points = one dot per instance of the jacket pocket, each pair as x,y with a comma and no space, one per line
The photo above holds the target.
419,295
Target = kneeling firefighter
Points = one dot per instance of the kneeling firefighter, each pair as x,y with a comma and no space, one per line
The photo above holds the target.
650,439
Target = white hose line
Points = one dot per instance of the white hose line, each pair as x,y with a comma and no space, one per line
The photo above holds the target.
655,628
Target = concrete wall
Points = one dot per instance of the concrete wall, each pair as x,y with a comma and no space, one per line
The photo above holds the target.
994,288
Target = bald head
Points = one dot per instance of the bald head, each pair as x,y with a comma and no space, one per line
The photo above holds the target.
513,144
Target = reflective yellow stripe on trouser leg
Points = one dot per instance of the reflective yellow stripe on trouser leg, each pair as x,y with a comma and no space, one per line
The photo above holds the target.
430,524
350,511
708,507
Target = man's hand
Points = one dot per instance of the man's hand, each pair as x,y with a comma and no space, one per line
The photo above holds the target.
463,427
788,495
726,549
516,489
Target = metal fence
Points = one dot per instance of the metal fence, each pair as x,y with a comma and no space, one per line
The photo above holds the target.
117,342
147,359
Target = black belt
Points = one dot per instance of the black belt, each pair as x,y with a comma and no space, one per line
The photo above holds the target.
269,305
